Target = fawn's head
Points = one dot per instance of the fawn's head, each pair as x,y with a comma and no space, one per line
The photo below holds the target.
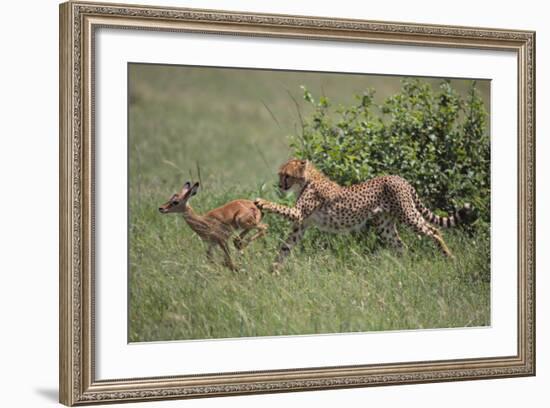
178,201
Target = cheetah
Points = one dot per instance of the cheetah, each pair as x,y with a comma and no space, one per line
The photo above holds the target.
382,201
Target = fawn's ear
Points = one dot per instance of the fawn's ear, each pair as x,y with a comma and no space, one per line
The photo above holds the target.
185,188
195,188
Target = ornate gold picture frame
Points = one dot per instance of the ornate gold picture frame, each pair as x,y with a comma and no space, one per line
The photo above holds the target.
79,23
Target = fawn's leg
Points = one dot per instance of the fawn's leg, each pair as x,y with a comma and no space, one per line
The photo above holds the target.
246,221
209,252
261,230
238,240
249,221
228,262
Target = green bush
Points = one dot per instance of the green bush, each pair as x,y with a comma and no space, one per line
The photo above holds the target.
436,139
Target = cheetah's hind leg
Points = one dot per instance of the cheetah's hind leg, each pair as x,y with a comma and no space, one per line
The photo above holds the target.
387,230
421,226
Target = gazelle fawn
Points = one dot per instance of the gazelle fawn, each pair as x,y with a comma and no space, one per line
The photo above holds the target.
218,225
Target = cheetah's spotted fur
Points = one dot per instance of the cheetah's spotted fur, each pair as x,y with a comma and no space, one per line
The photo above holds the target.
331,207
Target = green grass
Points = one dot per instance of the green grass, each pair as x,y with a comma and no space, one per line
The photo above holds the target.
186,121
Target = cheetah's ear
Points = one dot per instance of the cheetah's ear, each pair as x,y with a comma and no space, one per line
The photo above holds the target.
303,166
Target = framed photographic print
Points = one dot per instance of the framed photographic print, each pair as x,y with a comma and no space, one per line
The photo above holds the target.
256,203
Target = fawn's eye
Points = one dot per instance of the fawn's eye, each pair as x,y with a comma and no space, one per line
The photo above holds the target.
175,202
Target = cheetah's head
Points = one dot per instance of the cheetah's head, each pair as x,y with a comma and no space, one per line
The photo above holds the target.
293,175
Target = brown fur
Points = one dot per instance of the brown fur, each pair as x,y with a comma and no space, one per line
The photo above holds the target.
217,225
382,200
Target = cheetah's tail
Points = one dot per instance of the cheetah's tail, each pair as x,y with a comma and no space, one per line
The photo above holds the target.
450,221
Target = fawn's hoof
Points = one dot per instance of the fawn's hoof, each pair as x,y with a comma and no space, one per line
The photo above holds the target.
232,267
238,243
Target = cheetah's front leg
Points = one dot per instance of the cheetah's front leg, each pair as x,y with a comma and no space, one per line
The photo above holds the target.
305,206
292,213
295,237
